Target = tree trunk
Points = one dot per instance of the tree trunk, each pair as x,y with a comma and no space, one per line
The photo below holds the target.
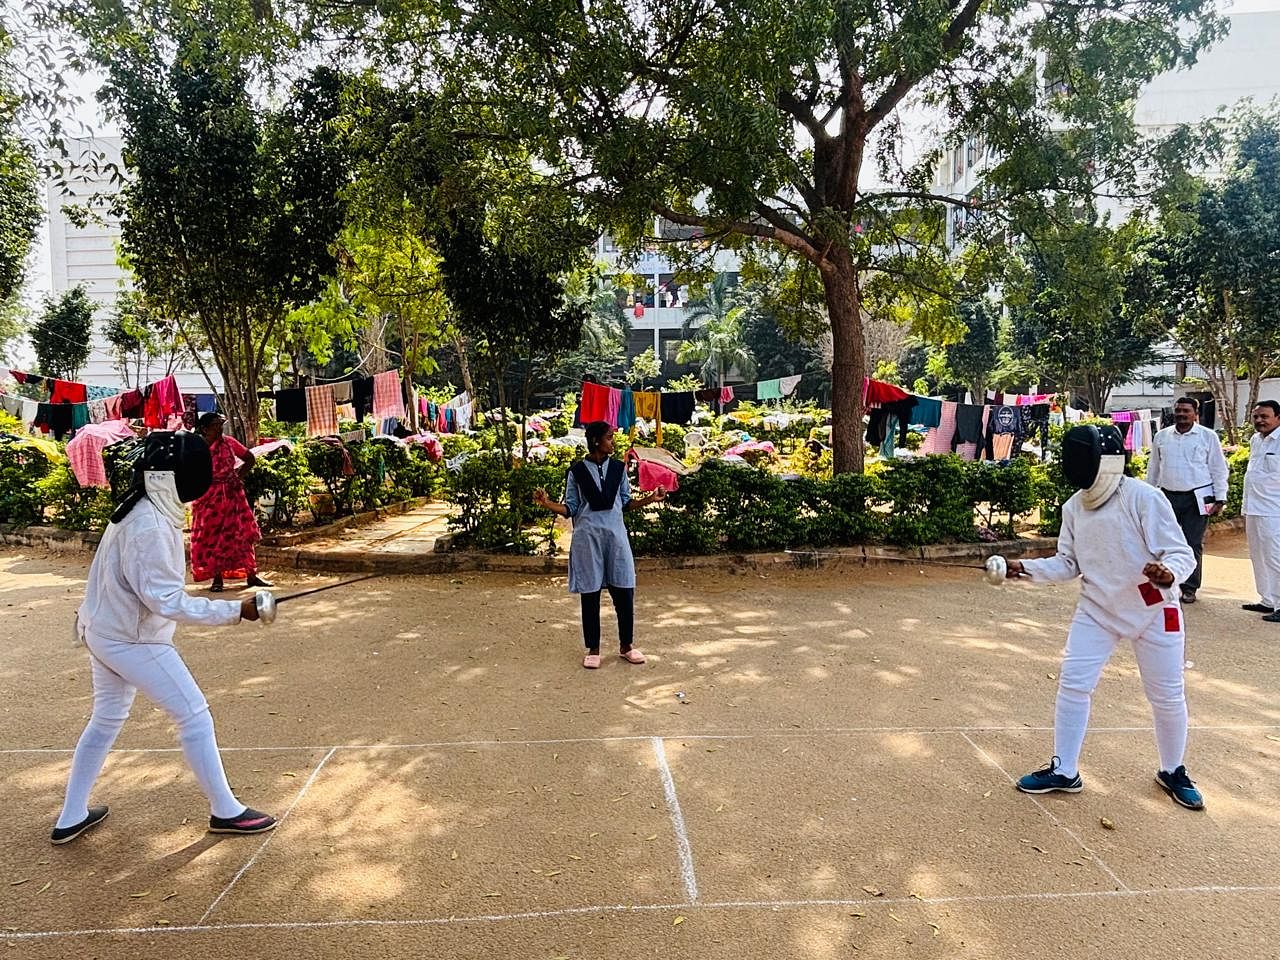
460,345
848,365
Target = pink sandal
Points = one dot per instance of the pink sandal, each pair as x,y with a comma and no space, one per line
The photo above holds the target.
591,661
632,656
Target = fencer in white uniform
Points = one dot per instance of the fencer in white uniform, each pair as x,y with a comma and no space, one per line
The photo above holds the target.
1120,536
134,599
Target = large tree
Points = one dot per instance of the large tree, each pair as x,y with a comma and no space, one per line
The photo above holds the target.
61,336
1068,292
771,121
1210,272
228,210
20,209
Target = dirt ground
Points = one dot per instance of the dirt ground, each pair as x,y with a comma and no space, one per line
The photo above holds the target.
834,782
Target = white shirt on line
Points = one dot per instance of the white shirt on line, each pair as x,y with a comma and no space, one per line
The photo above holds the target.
1109,546
136,590
1262,479
1183,462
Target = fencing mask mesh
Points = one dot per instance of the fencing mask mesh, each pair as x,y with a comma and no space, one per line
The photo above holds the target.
181,453
1093,460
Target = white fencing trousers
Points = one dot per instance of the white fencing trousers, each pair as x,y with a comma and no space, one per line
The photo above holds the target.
120,670
1264,552
1160,659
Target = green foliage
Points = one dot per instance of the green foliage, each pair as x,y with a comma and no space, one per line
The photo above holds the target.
1008,491
495,501
930,501
61,337
71,506
283,475
644,369
22,467
1237,464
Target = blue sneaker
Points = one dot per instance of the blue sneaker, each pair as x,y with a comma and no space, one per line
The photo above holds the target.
1179,786
1048,780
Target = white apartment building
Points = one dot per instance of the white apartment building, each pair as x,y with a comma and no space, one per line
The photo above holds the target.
657,313
88,256
1240,66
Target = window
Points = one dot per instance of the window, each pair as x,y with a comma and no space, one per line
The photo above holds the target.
608,244
957,163
971,152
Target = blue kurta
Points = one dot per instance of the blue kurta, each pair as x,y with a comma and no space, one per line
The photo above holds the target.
600,554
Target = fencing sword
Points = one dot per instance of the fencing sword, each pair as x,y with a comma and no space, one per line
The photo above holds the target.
266,601
996,567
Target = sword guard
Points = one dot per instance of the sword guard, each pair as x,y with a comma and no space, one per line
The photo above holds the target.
265,601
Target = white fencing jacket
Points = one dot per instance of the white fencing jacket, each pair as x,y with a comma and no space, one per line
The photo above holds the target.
1109,546
135,591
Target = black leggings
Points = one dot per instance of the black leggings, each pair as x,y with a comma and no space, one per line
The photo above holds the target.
623,605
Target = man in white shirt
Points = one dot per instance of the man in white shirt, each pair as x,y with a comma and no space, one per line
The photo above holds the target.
1121,537
1188,465
1262,509
133,601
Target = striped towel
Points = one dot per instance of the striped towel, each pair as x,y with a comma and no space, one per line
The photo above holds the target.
322,411
387,399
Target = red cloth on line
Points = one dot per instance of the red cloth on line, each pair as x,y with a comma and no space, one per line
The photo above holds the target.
877,391
68,391
163,401
594,404
223,527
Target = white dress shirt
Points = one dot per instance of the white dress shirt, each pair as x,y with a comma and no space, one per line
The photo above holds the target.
135,592
1182,462
1262,479
1109,546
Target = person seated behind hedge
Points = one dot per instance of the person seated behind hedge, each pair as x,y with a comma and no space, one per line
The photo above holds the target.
596,492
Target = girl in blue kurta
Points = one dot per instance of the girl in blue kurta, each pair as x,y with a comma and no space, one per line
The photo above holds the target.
596,493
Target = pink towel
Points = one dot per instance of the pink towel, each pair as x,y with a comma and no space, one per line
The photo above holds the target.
938,439
322,411
387,400
654,475
726,395
612,406
84,450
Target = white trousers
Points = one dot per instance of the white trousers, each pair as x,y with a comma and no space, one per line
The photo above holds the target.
1160,655
120,670
1264,552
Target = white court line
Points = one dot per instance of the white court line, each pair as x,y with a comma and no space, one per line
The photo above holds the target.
236,879
677,821
1049,813
761,734
647,908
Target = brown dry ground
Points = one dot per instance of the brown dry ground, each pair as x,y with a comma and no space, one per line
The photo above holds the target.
836,785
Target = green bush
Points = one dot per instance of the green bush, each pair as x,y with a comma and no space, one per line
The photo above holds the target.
1237,464
71,506
495,501
930,501
1007,491
284,475
22,466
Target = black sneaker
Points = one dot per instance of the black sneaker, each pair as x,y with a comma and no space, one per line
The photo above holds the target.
1188,596
251,821
1179,786
1049,780
1257,608
1272,617
61,835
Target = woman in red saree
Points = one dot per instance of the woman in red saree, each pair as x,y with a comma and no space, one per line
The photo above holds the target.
223,527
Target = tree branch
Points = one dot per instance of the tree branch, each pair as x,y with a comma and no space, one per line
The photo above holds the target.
788,237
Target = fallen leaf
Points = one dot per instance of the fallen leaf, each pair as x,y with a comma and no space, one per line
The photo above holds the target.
169,896
895,918
1107,824
139,896
987,794
490,895
677,921
1272,736
936,928
592,835
163,923
1038,849
856,914
287,774
18,883
617,798
47,885
652,836
572,857
874,891
915,896
554,873
1023,840
454,855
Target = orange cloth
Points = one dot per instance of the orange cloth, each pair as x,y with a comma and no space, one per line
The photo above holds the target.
648,406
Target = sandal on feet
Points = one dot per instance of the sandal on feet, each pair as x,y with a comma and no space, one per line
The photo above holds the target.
251,821
257,581
632,656
591,661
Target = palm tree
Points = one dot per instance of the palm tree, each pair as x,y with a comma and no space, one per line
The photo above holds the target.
719,346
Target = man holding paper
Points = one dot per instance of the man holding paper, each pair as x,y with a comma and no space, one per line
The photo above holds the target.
1188,465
